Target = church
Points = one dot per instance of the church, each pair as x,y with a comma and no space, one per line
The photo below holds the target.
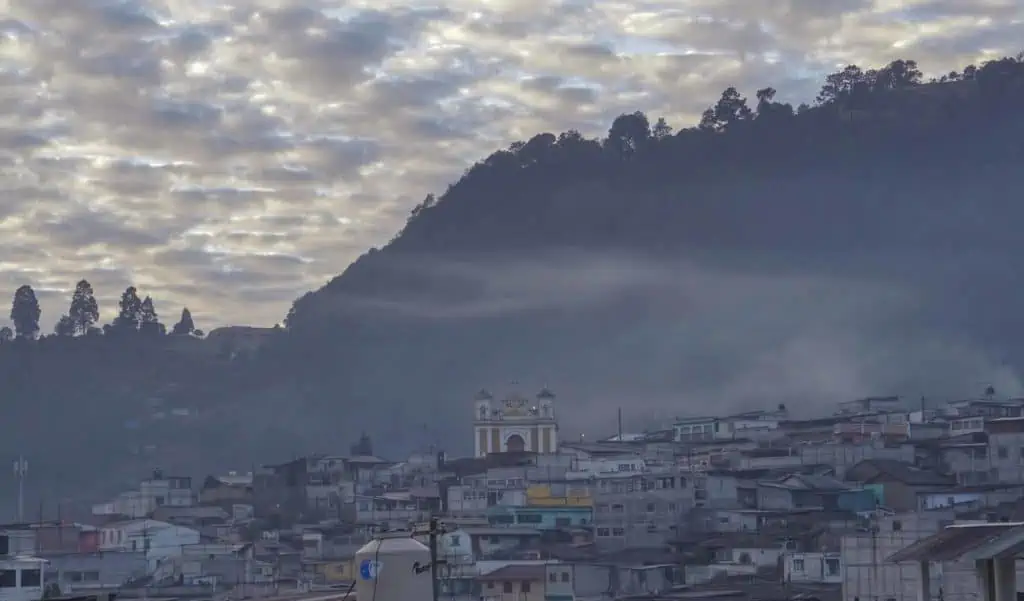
515,423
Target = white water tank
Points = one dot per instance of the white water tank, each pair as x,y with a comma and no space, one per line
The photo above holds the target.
387,569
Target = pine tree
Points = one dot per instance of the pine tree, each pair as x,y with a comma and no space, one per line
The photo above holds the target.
129,313
65,327
25,312
6,334
84,311
150,321
185,326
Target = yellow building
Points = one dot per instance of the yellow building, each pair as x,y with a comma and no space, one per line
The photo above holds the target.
333,571
515,424
541,496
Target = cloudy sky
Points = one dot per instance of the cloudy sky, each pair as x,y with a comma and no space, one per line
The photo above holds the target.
229,155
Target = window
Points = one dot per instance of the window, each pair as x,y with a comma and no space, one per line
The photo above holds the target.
618,532
897,525
524,586
798,565
506,587
31,578
832,566
565,576
1002,452
617,508
603,532
8,578
650,508
552,577
456,540
672,507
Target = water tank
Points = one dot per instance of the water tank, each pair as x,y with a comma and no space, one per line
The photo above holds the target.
387,569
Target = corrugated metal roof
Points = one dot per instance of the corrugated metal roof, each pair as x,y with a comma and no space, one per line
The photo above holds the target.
954,542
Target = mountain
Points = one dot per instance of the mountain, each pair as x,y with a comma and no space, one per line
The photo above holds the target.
867,243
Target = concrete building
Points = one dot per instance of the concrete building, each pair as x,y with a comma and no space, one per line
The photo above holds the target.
640,510
867,573
967,561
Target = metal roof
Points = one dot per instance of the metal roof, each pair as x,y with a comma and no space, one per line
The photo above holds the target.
966,541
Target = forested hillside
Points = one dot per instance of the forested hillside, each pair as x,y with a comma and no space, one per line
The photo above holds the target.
864,242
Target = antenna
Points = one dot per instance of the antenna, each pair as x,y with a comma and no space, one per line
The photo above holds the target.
620,424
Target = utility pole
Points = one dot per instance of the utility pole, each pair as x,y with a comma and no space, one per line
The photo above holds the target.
20,471
434,529
435,587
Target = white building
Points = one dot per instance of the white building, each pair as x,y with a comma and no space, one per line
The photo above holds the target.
158,491
21,578
515,424
158,540
818,567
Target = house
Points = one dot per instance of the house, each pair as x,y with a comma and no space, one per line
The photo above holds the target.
232,488
193,517
897,484
809,490
75,572
822,567
559,585
21,578
331,571
514,582
875,404
158,540
486,541
541,518
699,428
599,580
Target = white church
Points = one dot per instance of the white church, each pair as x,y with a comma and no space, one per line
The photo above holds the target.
515,423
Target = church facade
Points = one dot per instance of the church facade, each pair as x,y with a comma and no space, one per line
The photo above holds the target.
515,423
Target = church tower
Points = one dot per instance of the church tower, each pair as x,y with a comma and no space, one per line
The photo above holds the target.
515,423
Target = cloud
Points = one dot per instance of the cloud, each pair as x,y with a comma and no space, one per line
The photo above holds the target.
137,133
612,330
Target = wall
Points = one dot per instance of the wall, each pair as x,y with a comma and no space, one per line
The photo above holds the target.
21,579
541,518
844,456
773,497
499,590
559,585
1006,455
20,542
83,571
867,575
813,567
541,496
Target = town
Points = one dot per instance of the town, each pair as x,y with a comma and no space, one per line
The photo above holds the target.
883,500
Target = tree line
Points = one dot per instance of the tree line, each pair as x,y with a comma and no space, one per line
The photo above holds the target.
134,314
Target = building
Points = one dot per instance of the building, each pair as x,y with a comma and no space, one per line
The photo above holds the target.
158,540
21,578
515,582
541,518
515,424
640,510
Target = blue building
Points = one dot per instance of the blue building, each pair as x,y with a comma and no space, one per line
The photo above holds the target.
541,518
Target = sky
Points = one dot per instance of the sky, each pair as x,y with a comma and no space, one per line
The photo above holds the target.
229,156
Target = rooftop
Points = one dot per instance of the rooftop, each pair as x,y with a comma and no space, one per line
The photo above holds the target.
966,541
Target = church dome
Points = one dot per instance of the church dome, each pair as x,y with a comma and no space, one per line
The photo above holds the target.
545,393
483,395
